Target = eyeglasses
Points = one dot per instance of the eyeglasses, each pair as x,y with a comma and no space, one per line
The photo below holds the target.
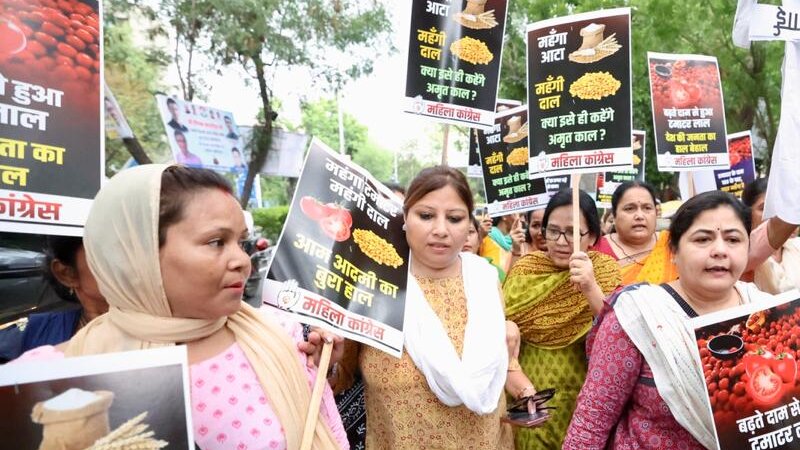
554,234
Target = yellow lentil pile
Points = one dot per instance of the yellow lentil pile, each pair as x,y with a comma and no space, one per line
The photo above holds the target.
594,86
518,157
377,248
471,50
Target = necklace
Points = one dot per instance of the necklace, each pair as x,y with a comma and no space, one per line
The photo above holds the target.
694,304
631,258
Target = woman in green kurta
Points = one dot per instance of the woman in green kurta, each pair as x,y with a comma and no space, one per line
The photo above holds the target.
552,297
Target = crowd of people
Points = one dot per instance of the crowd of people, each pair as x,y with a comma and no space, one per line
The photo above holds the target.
496,312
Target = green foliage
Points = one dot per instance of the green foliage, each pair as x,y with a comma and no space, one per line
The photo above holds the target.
134,75
749,77
274,190
270,220
320,119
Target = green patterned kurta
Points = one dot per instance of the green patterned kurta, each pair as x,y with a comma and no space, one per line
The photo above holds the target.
563,369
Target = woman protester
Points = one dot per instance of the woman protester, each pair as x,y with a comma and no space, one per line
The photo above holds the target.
553,297
781,271
66,270
643,388
164,245
643,255
447,389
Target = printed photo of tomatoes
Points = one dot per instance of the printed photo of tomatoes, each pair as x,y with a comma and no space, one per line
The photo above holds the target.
58,40
684,84
740,149
334,220
751,364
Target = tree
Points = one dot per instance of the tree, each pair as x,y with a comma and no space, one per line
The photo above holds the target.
320,119
133,75
750,78
336,40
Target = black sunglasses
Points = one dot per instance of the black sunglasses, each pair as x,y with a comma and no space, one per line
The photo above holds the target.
539,399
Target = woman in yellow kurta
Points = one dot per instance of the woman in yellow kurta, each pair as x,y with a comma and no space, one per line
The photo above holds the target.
447,389
552,297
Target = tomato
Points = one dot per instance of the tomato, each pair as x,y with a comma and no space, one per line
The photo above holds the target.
312,208
755,359
337,225
764,387
785,367
12,38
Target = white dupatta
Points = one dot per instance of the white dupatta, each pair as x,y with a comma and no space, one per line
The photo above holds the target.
657,326
475,380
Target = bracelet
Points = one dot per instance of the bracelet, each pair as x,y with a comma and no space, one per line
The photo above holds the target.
516,254
524,390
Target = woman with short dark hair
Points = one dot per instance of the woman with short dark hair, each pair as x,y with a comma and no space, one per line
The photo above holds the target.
553,297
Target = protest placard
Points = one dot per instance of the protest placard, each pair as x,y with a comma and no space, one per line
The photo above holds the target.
454,54
579,93
741,173
688,112
342,258
504,163
773,22
608,182
116,124
87,401
748,355
202,136
474,161
51,161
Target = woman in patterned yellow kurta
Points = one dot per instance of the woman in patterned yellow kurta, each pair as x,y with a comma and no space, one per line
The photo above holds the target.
553,296
447,389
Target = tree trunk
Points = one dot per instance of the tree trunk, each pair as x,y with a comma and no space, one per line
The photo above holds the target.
136,150
262,135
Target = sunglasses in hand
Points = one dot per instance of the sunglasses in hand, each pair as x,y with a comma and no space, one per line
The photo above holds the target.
518,413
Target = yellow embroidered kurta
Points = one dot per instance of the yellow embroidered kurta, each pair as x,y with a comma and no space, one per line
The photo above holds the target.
403,413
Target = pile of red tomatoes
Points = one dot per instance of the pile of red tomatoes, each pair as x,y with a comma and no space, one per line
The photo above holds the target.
764,375
57,40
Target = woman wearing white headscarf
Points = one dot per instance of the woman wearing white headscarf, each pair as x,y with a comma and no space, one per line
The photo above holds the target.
164,245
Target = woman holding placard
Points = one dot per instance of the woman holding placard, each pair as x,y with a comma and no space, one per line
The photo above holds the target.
447,389
164,245
641,348
553,297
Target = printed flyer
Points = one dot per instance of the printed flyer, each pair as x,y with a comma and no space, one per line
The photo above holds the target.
454,53
749,355
134,399
608,182
342,258
50,132
504,160
579,93
688,112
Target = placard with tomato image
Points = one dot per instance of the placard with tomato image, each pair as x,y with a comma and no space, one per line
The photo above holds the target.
688,112
749,357
743,167
51,160
342,258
